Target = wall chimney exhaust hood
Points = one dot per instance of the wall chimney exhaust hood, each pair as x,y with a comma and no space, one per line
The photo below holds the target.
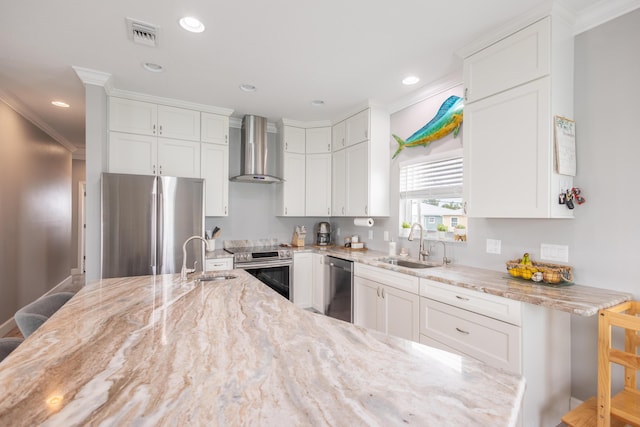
253,152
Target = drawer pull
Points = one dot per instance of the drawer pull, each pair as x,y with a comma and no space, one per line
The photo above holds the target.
462,331
462,298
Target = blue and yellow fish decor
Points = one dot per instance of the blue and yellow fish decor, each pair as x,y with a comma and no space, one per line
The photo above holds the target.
447,120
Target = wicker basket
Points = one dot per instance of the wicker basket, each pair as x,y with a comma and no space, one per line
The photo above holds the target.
551,273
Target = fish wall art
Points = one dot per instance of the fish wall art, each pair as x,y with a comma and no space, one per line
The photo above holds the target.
447,120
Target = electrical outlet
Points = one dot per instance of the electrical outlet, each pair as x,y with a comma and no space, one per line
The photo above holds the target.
559,253
338,231
494,246
386,236
370,234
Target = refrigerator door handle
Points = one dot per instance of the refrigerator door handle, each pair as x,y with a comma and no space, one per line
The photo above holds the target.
154,227
160,228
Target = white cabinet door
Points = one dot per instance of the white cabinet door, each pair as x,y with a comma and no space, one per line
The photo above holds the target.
318,140
214,128
357,179
400,313
302,279
215,171
357,128
177,157
294,139
133,154
318,185
178,123
338,135
292,190
338,183
520,58
507,154
319,270
366,303
126,115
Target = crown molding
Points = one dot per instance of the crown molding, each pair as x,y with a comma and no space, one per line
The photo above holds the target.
93,77
601,12
28,114
79,154
236,123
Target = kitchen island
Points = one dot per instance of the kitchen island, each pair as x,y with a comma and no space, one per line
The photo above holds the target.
154,350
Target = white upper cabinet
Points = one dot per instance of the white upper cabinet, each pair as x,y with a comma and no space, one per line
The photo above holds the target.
515,60
126,115
178,123
318,185
357,127
214,128
144,118
293,139
134,154
215,171
360,182
177,157
318,140
514,89
338,135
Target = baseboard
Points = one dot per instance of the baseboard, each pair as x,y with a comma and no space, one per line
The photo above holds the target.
75,271
574,403
10,324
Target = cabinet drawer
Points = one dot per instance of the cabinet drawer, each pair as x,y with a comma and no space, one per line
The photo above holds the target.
214,264
396,280
491,341
489,305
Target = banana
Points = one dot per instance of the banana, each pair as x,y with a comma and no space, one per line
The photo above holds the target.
526,260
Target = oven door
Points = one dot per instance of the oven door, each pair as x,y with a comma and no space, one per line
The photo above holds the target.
276,275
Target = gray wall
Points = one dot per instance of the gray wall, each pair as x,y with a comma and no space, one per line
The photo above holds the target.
35,212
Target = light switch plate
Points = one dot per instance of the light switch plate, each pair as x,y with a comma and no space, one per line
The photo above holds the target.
494,246
558,253
338,231
370,234
386,236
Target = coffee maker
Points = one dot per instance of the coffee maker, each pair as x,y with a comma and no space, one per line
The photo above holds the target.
323,235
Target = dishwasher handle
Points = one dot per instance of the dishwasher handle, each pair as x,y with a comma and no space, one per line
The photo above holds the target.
339,267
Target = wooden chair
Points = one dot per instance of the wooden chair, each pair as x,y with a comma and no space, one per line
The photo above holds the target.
623,408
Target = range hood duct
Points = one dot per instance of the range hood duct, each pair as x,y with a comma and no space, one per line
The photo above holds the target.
253,152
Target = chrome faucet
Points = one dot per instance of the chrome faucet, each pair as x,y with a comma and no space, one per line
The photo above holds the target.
445,260
423,254
183,271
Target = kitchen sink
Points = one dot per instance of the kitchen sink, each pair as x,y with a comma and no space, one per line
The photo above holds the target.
405,263
216,278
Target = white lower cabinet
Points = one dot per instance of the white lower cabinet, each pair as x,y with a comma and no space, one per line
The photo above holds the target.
217,264
320,274
302,279
529,340
385,304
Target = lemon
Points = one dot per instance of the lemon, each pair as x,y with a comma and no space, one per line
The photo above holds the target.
515,272
527,274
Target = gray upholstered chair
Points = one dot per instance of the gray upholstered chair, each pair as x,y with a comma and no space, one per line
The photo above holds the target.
32,316
7,345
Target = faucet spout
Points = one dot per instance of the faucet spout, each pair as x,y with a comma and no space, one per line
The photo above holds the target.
422,254
445,260
183,270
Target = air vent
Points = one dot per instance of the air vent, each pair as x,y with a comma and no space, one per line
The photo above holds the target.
142,32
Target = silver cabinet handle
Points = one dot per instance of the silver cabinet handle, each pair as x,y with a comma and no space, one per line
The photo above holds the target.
378,292
462,298
160,129
462,331
366,208
466,91
328,211
383,293
225,210
154,129
226,139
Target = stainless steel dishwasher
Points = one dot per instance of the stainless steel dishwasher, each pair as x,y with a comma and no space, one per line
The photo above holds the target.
339,294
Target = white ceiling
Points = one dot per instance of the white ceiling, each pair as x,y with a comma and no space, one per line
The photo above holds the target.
342,52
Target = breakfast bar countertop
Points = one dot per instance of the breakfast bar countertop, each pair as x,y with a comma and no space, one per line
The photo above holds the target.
154,350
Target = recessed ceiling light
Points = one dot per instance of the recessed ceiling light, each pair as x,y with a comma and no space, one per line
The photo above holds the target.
192,24
60,104
247,87
153,67
411,80
317,102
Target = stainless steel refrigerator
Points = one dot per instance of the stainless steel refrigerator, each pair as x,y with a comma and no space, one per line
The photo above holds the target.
146,220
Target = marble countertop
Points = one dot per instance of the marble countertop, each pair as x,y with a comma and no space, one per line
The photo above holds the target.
575,299
153,350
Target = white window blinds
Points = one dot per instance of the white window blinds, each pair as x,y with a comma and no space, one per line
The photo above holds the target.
432,180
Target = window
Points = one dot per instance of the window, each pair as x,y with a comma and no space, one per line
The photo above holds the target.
431,192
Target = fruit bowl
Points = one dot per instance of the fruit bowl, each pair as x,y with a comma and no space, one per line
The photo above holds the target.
553,274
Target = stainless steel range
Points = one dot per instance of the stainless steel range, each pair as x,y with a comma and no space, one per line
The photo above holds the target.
270,264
